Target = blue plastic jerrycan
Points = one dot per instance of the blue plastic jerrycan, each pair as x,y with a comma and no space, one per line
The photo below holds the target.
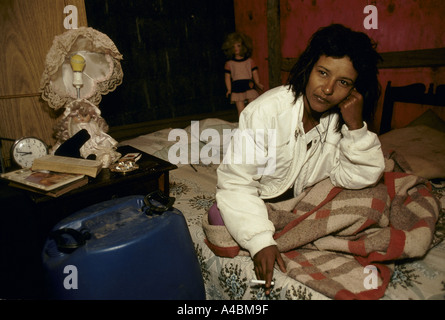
134,247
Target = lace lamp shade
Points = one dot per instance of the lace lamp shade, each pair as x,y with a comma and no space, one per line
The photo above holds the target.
101,74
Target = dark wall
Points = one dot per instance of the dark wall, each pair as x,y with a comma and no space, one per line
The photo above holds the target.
173,62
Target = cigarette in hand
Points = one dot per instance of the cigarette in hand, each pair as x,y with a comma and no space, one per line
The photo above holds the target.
254,281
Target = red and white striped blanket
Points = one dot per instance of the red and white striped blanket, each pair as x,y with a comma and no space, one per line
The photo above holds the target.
343,243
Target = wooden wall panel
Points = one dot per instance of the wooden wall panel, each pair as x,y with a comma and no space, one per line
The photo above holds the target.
173,63
28,29
403,25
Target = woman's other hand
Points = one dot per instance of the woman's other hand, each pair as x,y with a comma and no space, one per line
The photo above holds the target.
264,262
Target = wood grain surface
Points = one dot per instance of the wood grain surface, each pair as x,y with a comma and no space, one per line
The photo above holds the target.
28,29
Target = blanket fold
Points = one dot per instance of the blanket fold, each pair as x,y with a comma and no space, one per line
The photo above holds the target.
343,243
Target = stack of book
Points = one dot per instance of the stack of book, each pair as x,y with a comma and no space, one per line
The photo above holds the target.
54,175
49,183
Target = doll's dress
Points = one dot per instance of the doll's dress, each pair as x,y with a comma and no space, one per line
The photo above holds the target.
241,71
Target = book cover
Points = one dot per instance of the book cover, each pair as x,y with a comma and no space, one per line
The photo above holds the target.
54,192
42,180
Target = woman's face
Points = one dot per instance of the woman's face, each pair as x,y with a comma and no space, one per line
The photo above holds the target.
330,82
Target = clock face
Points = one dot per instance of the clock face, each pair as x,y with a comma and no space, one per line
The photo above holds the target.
25,150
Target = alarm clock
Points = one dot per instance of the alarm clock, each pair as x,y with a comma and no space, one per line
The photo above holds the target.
26,149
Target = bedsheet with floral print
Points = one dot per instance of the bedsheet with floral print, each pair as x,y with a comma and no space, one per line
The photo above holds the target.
194,187
229,278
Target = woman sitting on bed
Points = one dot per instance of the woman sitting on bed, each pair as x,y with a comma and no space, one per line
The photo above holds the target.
319,122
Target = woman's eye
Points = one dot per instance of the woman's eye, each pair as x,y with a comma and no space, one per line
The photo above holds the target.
344,83
323,73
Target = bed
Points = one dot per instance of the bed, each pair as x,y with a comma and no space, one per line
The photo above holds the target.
411,264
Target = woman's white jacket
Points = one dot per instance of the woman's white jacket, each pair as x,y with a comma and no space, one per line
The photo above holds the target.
269,154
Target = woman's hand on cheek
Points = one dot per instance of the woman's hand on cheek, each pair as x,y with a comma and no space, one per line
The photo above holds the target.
351,110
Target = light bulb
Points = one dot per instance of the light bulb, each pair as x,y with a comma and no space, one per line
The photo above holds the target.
77,64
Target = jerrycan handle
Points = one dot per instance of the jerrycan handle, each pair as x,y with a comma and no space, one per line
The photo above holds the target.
157,202
68,239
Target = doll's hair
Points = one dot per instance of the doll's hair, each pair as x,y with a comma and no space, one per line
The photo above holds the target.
237,37
339,41
83,109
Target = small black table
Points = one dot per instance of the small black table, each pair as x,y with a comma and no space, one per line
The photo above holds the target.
26,218
153,174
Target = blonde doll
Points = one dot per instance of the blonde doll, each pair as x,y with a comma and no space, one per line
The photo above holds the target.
241,72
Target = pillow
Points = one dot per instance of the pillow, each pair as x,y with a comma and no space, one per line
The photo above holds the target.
188,140
155,143
430,119
213,129
422,147
215,124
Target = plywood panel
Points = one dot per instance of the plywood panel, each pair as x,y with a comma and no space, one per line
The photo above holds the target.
28,29
25,117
